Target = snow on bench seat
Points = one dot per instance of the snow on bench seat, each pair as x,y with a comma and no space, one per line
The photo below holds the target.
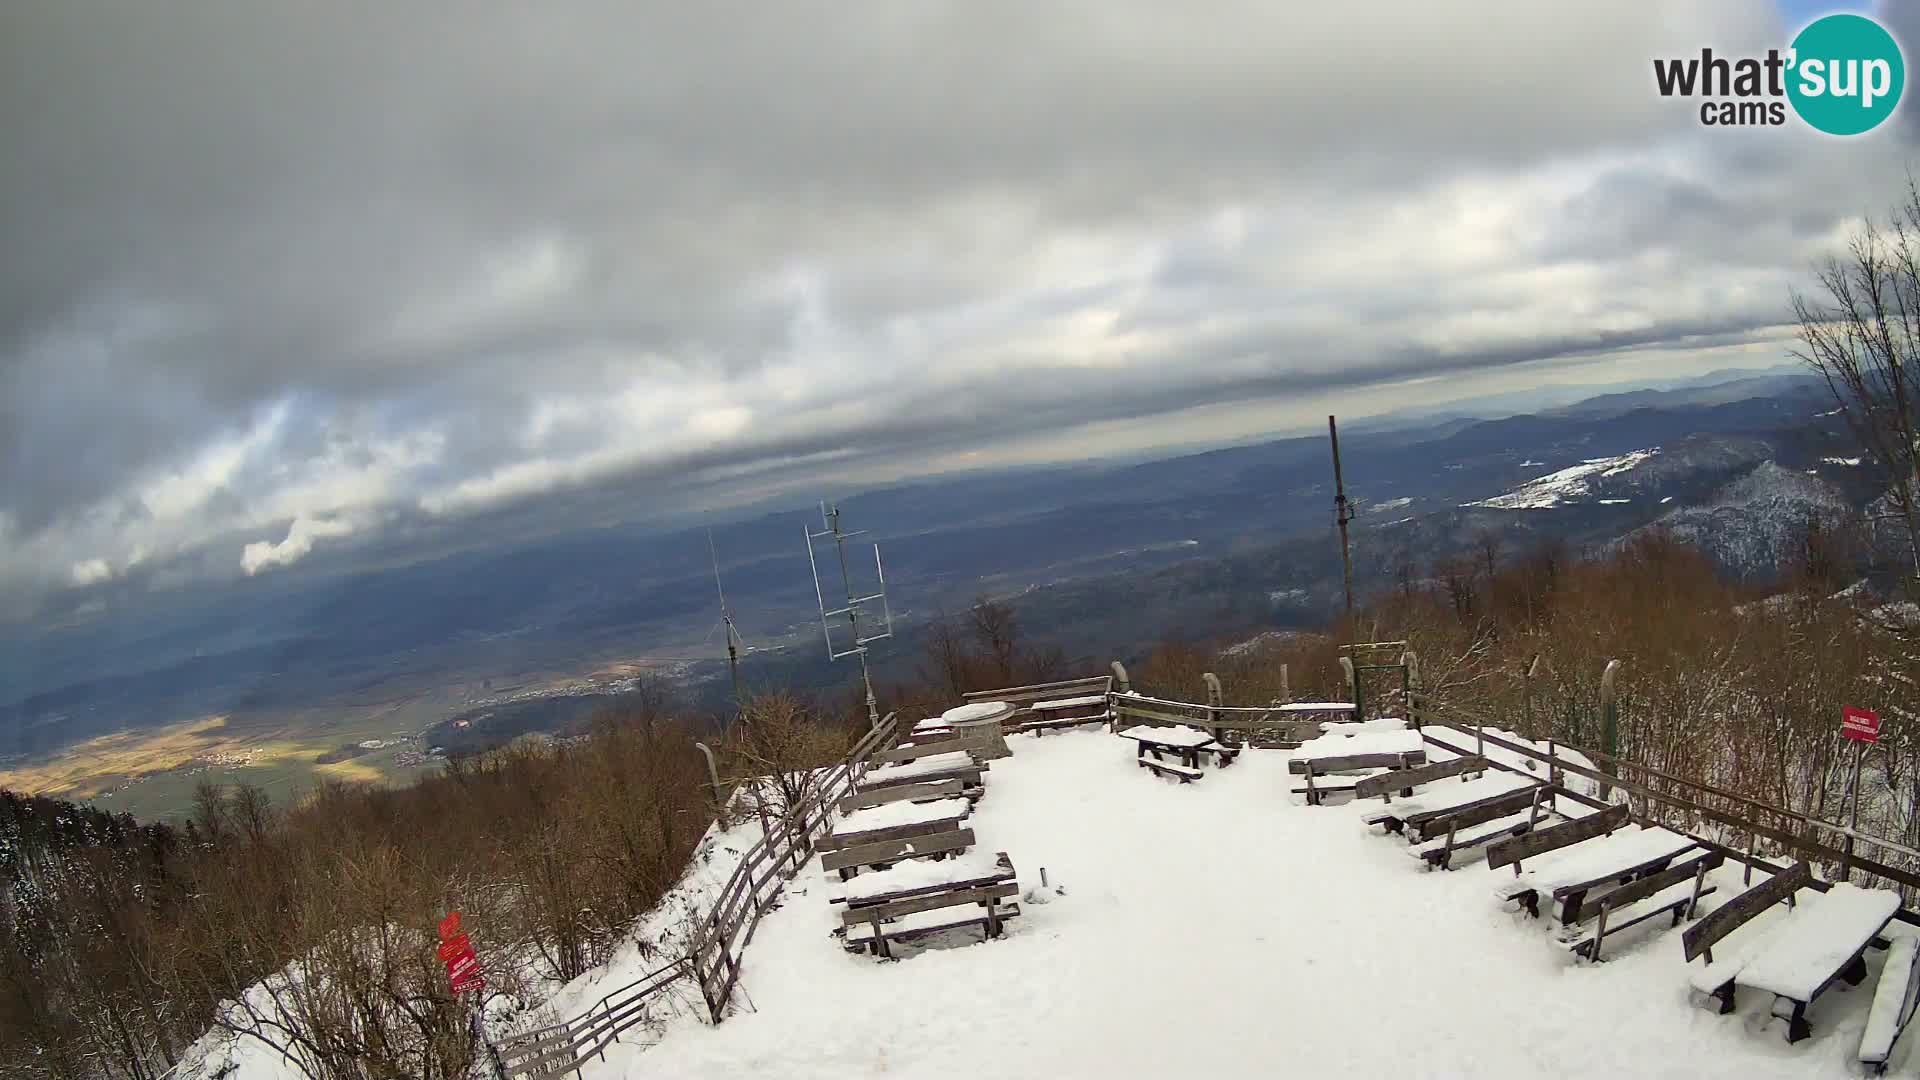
1433,850
1596,860
1178,735
1892,1003
894,815
930,765
1818,940
1339,744
1068,703
1446,796
919,874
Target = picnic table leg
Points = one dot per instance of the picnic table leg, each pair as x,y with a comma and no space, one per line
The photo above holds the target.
1570,906
1725,995
1856,969
1797,1026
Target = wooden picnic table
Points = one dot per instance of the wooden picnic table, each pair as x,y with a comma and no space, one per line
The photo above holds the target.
1189,743
896,821
1822,943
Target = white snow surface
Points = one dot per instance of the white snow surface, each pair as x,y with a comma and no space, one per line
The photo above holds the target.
1300,944
1316,706
1555,488
1175,735
1589,859
920,873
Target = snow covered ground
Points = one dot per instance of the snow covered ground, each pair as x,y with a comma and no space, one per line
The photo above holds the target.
1222,929
1566,485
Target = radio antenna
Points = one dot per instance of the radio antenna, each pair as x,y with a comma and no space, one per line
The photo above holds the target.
830,519
1342,513
726,617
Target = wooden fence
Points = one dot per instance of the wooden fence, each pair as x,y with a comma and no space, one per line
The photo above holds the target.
1282,727
1024,698
719,940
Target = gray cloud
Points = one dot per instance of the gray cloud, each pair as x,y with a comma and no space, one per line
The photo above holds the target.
280,277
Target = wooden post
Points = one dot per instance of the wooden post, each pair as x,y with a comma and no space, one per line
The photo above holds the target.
1353,687
1416,702
1120,678
1609,726
1553,774
1215,698
1753,852
713,775
1286,686
1599,933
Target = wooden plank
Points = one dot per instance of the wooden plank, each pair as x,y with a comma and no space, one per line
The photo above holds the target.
895,850
1388,783
859,937
1644,887
1167,768
1730,916
1565,834
914,905
861,800
1346,763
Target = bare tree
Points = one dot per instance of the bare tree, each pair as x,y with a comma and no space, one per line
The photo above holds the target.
1863,336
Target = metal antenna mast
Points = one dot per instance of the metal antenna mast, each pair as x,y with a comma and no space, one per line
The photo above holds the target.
830,518
726,616
1342,513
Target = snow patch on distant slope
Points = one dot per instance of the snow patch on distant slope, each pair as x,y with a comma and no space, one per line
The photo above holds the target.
1750,526
1566,485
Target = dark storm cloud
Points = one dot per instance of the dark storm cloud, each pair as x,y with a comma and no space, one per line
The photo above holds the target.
277,276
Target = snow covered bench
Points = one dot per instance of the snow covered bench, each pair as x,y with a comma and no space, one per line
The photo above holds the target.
1056,713
875,927
1821,943
847,860
1438,853
968,870
1513,852
895,821
927,768
1675,891
1451,806
1188,743
1893,1003
922,792
1619,857
1405,780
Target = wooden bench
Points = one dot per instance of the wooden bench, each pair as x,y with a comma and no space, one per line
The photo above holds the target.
914,751
1513,852
1620,857
848,860
1432,812
875,927
924,792
1438,853
1317,769
1893,1004
1819,945
1676,891
971,870
932,768
1405,780
1185,742
895,821
1182,773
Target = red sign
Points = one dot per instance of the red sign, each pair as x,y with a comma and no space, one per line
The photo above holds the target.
1861,725
463,967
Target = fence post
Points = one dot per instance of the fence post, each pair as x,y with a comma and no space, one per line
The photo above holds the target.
1416,701
1609,726
713,774
1120,678
1353,687
1286,686
1215,698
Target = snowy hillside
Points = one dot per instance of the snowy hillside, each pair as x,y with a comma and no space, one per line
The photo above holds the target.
1572,484
1224,929
1751,525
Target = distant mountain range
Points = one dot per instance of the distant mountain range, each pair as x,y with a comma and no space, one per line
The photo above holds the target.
1101,558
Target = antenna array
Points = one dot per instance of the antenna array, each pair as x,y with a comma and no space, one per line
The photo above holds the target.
830,520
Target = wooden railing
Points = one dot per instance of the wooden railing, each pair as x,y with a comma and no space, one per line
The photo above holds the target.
720,938
1267,726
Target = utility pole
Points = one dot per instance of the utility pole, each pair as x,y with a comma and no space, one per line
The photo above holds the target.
1342,513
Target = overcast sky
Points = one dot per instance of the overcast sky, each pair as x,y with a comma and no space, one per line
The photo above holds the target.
279,278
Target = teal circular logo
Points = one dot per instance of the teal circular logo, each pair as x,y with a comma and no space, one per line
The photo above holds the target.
1846,74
